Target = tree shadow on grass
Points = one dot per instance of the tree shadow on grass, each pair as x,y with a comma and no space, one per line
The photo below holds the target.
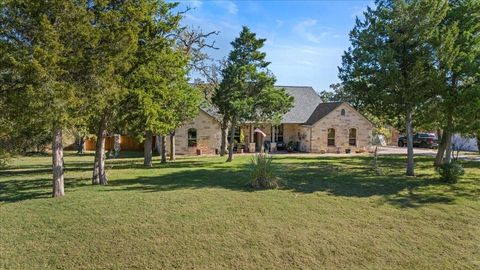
355,177
232,179
20,190
349,177
17,189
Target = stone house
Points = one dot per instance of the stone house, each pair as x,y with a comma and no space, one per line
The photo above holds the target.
311,126
203,133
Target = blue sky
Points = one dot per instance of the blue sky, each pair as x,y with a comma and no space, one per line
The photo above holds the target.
305,39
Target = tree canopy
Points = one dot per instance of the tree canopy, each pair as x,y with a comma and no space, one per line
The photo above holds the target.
247,91
390,68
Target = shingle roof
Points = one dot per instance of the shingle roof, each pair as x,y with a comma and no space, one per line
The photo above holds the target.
321,111
305,102
307,106
212,111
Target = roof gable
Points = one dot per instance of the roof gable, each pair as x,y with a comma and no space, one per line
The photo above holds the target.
305,100
211,111
322,110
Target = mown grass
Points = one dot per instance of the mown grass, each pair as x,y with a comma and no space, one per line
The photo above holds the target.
199,213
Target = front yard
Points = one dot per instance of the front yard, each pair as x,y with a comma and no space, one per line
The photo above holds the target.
198,213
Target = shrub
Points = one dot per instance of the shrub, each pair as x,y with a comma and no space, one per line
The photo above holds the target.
262,174
290,146
450,172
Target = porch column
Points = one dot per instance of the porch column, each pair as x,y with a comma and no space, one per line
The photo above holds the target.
251,144
251,134
274,133
273,143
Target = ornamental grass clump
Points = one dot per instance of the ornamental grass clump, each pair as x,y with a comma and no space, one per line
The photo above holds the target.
262,175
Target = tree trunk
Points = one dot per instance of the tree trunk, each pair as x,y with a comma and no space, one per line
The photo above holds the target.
81,145
99,174
450,126
441,149
448,139
158,144
448,149
223,144
410,161
147,149
231,140
57,164
172,145
95,178
478,143
164,148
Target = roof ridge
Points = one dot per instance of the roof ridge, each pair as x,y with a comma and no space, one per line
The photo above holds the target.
331,102
296,86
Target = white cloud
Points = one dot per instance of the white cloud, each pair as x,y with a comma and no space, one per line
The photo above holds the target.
230,6
299,64
309,30
279,23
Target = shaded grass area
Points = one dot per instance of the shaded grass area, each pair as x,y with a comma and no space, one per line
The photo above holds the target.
332,212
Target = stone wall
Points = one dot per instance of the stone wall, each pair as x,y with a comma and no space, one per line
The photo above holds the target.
310,138
341,124
208,135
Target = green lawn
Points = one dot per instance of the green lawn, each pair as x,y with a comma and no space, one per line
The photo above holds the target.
198,213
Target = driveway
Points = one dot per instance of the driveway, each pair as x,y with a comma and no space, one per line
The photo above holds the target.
389,150
394,150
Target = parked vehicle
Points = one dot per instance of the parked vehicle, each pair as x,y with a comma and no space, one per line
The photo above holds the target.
423,140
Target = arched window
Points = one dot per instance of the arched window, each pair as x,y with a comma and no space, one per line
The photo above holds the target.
352,137
331,137
192,137
342,112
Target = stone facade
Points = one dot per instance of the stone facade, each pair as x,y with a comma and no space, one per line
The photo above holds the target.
314,138
208,135
306,125
317,140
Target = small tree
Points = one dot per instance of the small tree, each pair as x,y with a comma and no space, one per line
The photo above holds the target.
192,43
158,88
247,90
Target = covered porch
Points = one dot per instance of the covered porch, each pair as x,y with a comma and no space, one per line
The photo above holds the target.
261,137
